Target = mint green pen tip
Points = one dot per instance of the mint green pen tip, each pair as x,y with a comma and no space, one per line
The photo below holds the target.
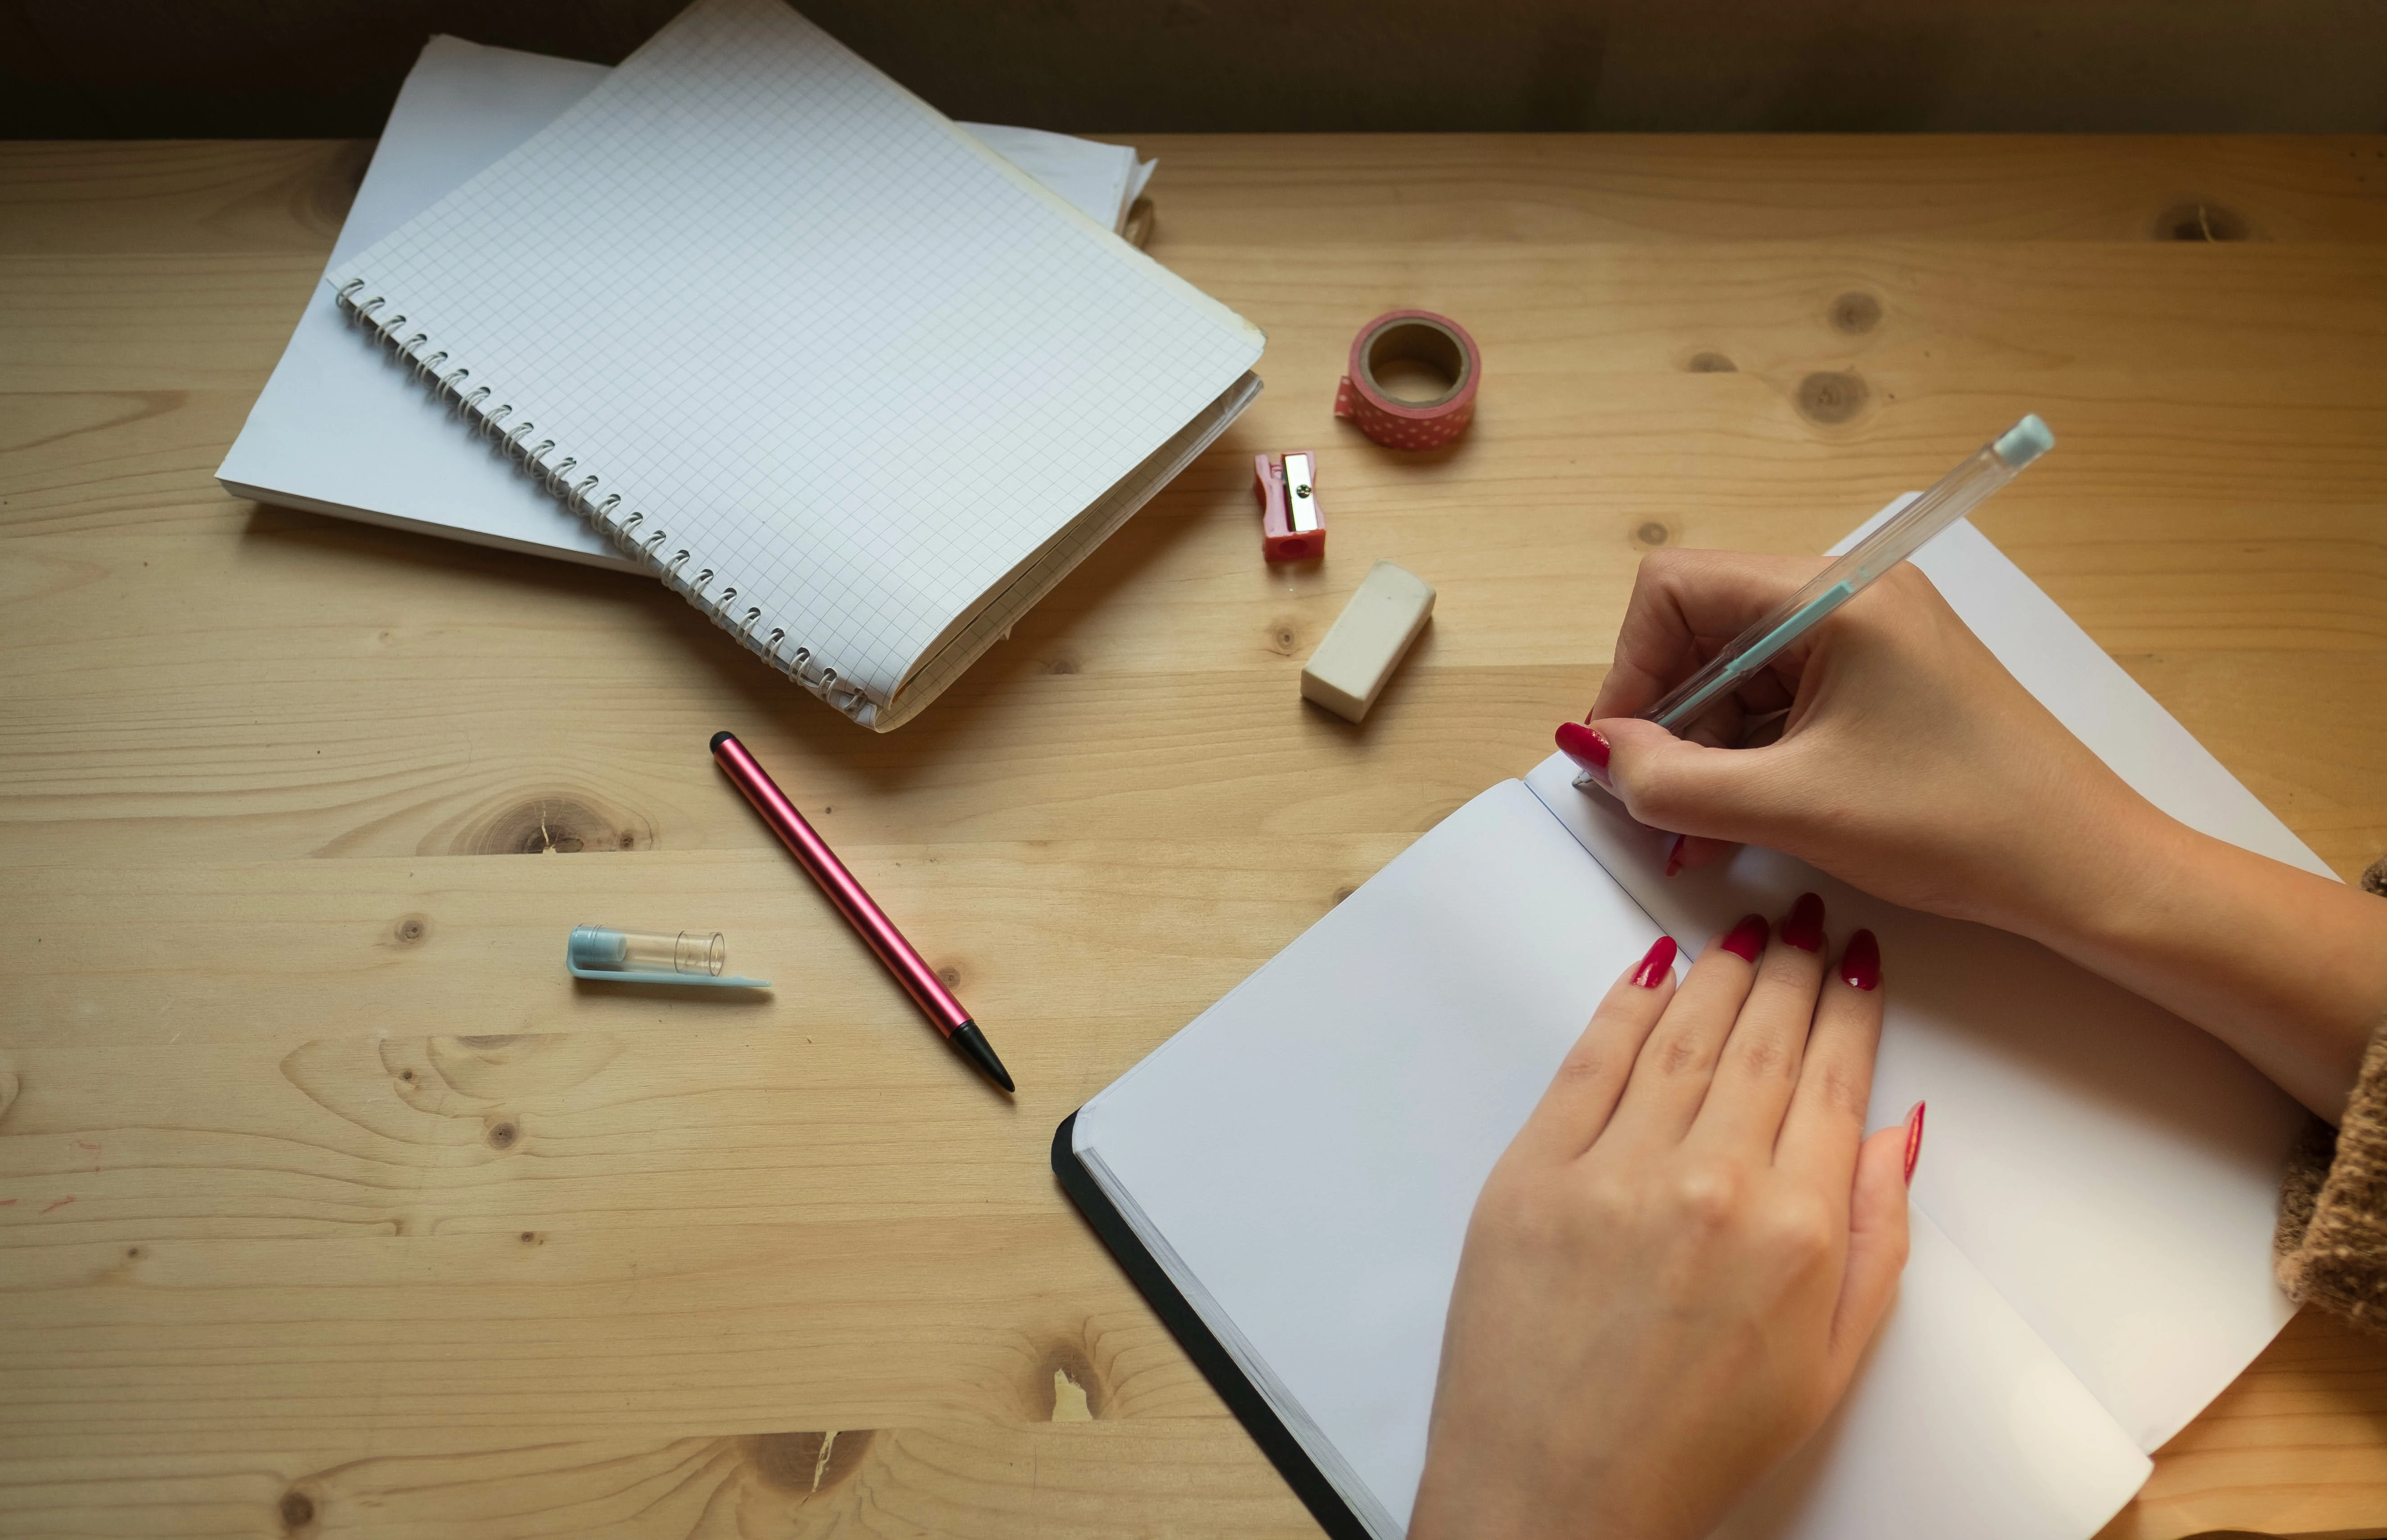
2023,443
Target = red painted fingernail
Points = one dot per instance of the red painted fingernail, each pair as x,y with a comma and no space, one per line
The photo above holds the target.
1747,938
1674,854
1914,1140
1586,746
1803,926
1656,964
1860,964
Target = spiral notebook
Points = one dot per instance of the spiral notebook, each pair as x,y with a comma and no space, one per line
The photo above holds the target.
1288,1179
344,430
850,382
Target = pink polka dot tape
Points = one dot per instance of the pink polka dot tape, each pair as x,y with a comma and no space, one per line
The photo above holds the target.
1414,337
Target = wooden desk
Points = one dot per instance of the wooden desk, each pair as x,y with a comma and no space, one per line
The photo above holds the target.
332,1205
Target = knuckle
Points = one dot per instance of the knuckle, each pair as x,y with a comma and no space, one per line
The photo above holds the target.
1609,1202
1842,1090
1797,1231
1711,1194
1763,1057
1681,1054
1586,1066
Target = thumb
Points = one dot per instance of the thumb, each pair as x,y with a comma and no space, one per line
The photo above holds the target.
1671,783
1877,1242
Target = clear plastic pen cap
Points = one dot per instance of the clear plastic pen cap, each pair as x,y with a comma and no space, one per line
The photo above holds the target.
594,946
650,956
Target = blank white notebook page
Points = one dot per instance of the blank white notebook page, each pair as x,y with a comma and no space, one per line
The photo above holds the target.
1303,1157
849,360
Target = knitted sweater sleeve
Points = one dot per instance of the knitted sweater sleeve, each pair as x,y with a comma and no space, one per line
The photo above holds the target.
2332,1246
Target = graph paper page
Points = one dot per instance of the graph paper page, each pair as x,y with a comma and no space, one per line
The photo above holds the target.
854,364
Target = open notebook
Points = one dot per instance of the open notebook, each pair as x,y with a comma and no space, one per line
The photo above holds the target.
1289,1177
344,430
852,383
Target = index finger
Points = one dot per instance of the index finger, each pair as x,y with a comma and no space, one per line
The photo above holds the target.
1584,1093
1686,606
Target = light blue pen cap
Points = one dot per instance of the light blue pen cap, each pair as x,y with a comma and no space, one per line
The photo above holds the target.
2023,443
607,955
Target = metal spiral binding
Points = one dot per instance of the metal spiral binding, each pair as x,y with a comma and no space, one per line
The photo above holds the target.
624,526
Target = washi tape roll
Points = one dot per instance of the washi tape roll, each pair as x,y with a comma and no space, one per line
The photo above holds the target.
1410,336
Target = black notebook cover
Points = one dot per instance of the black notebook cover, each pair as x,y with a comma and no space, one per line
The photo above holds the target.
1243,1398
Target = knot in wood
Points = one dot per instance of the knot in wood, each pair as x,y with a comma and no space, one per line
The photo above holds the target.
1855,312
1831,397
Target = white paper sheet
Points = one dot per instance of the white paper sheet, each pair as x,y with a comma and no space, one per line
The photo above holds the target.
340,429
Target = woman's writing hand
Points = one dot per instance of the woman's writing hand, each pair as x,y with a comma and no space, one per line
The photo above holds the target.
1671,1273
1907,761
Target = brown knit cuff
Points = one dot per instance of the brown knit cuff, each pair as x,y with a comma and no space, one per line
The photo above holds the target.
2330,1248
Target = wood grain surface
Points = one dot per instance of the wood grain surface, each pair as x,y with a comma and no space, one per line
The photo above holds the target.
329,1204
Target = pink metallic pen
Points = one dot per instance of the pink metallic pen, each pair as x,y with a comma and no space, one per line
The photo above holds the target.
812,853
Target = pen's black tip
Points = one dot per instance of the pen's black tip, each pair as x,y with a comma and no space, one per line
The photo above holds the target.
720,739
971,1040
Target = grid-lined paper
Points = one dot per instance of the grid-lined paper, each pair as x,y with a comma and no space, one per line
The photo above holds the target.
860,369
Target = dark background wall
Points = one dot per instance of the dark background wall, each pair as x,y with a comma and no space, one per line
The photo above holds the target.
74,69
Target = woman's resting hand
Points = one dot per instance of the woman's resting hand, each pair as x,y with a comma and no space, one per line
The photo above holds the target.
1671,1274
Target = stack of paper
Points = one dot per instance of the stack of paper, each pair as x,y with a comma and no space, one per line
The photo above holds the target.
875,386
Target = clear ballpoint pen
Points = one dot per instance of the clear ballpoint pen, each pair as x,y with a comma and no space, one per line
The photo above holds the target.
1958,493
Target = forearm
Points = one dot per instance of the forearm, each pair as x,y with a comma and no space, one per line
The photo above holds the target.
2288,968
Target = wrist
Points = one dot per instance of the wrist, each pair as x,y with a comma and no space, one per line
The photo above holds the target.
2102,877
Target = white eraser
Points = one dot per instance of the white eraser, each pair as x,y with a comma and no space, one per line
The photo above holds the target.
1349,668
